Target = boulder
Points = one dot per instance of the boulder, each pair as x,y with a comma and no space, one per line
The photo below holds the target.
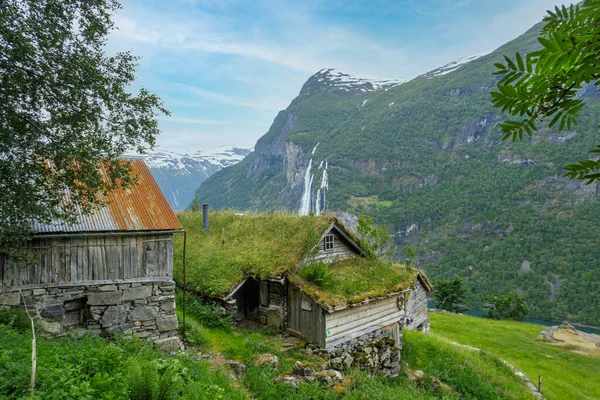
170,344
238,369
104,298
302,368
114,315
137,293
267,359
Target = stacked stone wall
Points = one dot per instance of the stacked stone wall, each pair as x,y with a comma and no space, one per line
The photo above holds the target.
144,309
375,352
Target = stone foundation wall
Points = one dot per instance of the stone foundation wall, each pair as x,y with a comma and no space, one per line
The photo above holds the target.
144,309
376,352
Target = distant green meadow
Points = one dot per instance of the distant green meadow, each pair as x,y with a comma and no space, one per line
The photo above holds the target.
565,375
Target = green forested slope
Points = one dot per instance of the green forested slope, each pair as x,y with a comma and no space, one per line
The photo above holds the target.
426,158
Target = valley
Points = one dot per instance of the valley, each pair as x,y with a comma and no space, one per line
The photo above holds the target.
425,157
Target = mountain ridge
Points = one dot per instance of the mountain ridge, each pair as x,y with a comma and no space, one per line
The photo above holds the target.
179,174
426,158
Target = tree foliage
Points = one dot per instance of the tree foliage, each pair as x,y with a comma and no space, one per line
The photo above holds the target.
65,109
449,294
377,236
545,84
507,306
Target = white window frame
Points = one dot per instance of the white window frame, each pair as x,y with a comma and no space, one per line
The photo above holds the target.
329,242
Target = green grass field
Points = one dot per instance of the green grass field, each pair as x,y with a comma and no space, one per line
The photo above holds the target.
565,375
469,374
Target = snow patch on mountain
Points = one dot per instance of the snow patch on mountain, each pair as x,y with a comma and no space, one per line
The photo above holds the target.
348,81
179,175
453,66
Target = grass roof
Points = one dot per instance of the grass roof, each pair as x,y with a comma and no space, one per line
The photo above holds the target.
353,280
237,246
270,245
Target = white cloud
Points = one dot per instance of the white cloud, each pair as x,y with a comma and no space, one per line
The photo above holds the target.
201,53
194,121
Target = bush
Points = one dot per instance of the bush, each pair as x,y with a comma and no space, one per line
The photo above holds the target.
509,306
208,314
317,273
16,318
193,336
449,295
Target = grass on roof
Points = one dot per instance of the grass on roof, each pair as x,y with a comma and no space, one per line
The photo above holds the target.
355,279
269,245
237,246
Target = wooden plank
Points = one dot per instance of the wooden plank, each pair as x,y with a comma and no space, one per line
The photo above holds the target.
360,311
364,321
264,293
139,267
358,331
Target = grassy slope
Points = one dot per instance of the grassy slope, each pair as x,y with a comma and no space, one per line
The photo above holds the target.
471,375
565,375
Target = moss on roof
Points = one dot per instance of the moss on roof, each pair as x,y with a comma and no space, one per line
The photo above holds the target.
237,246
270,245
353,280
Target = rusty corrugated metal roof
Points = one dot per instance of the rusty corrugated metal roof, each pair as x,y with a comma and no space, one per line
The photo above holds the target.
140,207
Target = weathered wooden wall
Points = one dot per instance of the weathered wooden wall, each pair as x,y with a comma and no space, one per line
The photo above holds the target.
305,317
417,307
341,249
273,303
88,258
353,322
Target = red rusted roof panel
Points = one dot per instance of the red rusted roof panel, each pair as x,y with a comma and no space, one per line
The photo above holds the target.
140,207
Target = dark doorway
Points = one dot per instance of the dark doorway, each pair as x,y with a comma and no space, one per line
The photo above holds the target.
248,300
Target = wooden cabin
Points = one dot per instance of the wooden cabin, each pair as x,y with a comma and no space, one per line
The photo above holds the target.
108,272
283,296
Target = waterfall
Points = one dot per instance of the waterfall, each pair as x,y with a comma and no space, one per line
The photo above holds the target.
308,179
320,201
315,148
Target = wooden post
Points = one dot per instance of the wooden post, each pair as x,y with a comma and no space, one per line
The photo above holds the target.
184,280
539,384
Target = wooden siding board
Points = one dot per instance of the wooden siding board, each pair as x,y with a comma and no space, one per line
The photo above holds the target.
417,305
350,323
90,259
310,324
341,249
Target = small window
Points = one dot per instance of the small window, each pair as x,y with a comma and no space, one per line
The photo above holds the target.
329,242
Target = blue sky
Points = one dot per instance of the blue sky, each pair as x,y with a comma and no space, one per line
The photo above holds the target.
224,68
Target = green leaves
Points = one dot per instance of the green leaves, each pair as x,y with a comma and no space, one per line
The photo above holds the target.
546,82
65,107
508,306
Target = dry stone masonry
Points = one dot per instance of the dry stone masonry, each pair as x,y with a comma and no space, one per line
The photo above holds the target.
143,309
374,352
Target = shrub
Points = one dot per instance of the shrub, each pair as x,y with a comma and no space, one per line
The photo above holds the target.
208,314
317,273
193,336
16,318
449,295
508,306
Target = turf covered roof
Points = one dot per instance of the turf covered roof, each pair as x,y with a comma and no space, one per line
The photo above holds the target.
272,245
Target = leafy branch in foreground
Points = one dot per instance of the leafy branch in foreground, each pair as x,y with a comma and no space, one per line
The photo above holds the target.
545,83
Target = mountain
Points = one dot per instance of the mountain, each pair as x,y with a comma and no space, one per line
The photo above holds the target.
425,157
179,175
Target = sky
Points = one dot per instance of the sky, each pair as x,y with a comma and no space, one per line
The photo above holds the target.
224,68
